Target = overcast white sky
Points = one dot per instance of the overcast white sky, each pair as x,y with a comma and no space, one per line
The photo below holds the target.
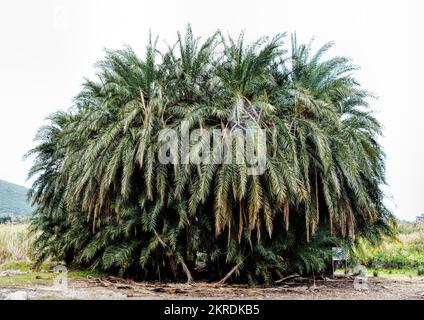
47,46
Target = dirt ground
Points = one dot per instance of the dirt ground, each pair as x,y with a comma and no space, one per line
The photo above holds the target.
333,289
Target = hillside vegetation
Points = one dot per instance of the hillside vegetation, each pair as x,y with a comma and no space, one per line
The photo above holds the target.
13,200
404,252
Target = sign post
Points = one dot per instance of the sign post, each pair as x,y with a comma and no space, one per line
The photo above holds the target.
339,254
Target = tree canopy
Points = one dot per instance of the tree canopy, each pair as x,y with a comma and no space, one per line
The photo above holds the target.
103,200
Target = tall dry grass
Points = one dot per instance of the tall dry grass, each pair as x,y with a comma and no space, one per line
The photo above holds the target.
15,243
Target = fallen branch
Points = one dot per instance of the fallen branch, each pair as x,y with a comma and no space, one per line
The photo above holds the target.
115,282
293,276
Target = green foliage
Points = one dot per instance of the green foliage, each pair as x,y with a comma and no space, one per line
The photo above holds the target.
5,220
105,202
407,251
13,200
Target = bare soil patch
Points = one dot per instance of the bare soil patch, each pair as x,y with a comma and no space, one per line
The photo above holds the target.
408,288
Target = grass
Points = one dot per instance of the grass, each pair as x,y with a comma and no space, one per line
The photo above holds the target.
15,243
404,252
42,278
388,272
15,254
28,279
392,273
26,266
82,274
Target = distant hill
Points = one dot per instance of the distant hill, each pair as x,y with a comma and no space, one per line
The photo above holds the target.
13,200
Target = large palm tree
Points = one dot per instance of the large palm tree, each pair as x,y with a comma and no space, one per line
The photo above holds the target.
105,201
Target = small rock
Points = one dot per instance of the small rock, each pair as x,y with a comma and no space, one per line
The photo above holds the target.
18,295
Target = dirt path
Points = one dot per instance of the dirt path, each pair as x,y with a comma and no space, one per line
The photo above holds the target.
377,289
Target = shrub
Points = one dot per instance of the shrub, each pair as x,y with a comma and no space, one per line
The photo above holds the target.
406,252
